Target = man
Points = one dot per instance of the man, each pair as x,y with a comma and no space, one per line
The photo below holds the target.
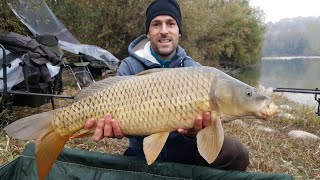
159,48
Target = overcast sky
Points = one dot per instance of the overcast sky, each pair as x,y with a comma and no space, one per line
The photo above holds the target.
278,9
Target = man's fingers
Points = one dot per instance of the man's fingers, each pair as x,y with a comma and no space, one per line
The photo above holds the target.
182,131
198,124
90,123
206,121
116,129
108,132
222,121
98,133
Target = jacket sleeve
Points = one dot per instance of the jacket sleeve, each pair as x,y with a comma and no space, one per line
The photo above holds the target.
124,69
188,62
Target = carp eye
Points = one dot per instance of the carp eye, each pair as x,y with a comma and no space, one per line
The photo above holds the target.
249,92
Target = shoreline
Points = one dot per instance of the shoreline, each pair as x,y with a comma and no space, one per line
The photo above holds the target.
289,57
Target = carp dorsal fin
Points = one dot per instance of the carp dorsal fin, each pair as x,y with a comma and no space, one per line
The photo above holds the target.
105,83
210,139
99,85
153,144
150,71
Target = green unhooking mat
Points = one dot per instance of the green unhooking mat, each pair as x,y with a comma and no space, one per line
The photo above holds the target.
85,165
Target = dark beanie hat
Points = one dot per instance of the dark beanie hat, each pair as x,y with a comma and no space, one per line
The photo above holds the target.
163,7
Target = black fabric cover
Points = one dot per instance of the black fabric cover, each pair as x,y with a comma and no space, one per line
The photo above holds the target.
84,165
35,53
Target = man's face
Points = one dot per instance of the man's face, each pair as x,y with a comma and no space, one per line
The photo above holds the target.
164,36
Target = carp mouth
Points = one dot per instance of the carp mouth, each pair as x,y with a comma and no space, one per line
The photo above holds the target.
267,112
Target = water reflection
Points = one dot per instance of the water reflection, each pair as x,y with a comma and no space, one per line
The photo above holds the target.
250,75
296,73
293,73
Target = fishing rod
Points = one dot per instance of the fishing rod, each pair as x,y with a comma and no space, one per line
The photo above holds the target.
314,91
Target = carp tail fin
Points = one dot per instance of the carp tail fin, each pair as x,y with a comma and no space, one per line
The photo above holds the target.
48,142
48,147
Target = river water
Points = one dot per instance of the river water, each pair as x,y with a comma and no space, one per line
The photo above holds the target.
289,72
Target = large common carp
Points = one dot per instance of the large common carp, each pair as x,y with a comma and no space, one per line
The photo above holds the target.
155,103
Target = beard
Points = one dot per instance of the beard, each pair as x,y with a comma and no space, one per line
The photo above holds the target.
165,53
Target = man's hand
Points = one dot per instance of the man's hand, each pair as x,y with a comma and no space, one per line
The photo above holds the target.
105,127
199,123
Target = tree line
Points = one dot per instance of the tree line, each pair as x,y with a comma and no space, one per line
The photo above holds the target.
217,33
293,37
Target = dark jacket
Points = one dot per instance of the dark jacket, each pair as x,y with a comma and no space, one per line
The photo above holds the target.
140,59
36,54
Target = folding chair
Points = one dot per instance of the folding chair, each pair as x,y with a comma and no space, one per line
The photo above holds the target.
79,69
17,90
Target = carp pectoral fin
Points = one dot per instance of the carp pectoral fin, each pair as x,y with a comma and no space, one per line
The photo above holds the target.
153,144
210,139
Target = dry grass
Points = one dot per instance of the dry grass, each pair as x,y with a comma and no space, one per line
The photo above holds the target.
270,152
275,152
